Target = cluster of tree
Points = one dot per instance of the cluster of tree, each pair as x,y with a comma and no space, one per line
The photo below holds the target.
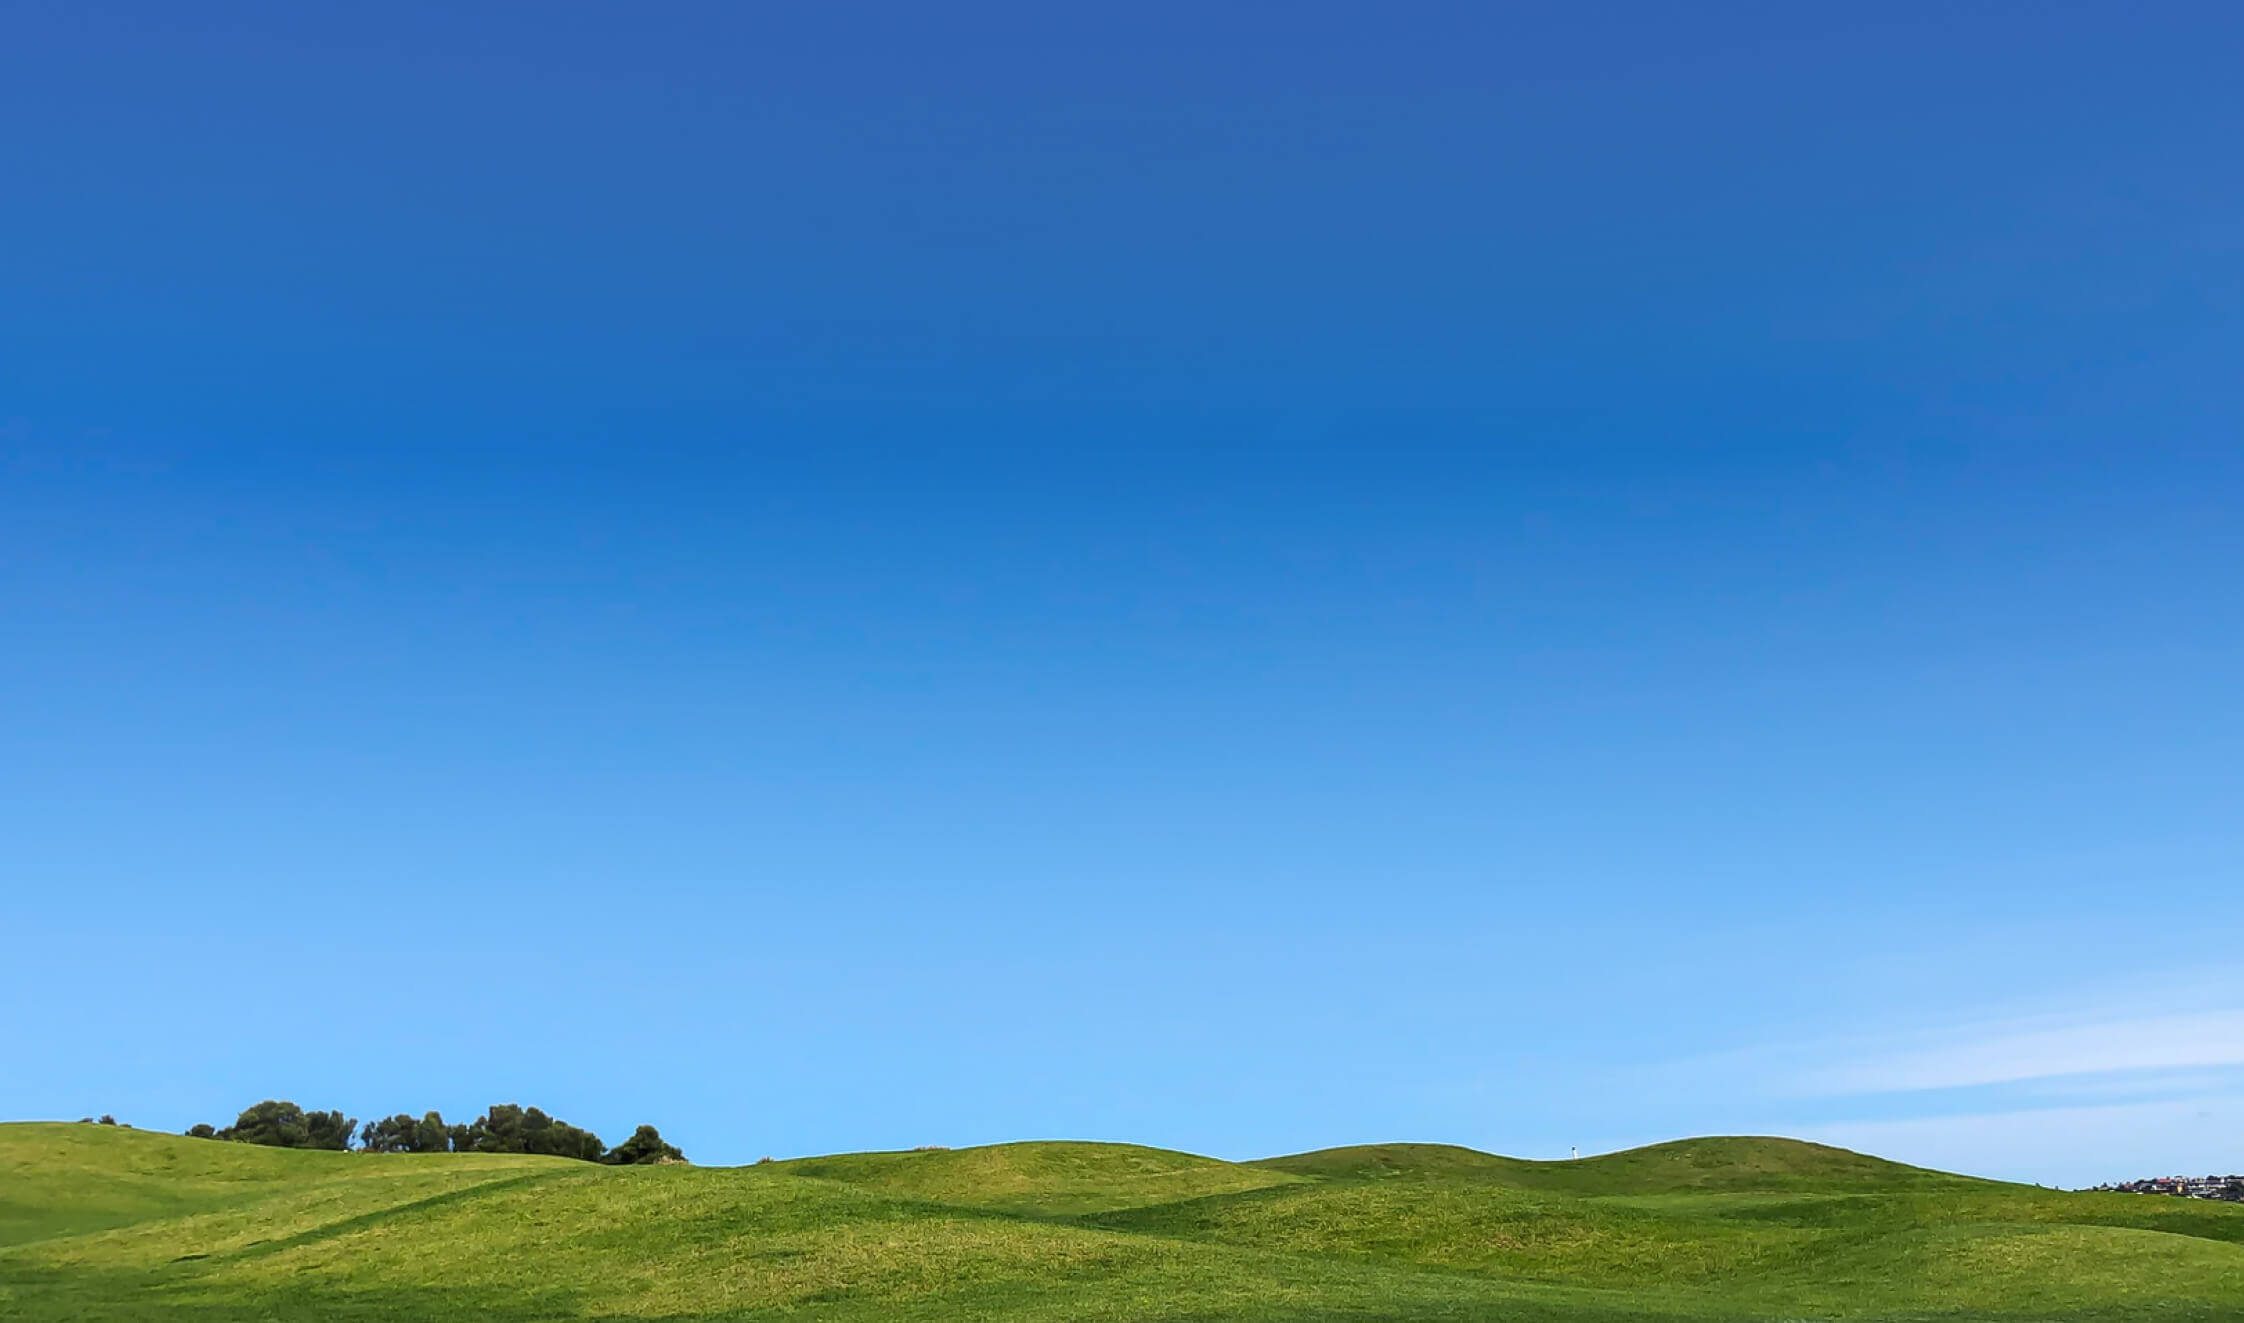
402,1134
285,1125
505,1128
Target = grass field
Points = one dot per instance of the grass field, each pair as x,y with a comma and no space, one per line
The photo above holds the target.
99,1222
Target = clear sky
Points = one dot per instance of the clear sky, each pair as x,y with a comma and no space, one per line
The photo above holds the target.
1237,577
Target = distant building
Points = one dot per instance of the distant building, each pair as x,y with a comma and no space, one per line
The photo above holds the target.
2227,1188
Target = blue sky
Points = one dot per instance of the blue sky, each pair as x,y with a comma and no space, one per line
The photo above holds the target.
842,576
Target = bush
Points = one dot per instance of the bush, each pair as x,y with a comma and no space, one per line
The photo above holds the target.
646,1145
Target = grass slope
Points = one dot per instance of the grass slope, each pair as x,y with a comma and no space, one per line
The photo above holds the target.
101,1223
1047,1178
1719,1163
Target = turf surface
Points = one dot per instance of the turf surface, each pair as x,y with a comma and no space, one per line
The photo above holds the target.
98,1222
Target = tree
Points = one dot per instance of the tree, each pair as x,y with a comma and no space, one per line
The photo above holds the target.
204,1130
331,1130
391,1134
503,1128
402,1134
513,1128
498,1130
645,1145
283,1124
273,1122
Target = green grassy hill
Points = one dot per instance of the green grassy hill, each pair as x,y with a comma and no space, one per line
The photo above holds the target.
104,1223
1048,1179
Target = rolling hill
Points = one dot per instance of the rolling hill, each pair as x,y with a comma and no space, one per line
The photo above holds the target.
105,1223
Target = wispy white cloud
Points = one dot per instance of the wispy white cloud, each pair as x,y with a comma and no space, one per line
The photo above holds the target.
2010,1053
2111,1081
2133,1034
2069,1146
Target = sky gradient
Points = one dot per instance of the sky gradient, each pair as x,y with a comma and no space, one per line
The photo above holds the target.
844,576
